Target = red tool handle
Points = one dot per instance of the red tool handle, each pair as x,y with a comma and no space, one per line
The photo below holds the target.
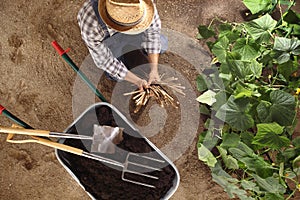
1,109
58,48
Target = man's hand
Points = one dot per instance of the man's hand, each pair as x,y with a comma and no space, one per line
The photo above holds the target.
132,78
153,77
142,84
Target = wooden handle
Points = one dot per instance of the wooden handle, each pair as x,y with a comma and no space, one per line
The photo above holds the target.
23,131
33,133
59,146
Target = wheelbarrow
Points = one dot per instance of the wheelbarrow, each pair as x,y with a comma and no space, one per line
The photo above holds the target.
169,174
72,163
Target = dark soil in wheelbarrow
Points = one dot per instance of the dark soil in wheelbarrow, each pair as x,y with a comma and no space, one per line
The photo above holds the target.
103,181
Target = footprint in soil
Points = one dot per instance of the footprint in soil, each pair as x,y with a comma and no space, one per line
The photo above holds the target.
22,98
16,42
23,157
49,157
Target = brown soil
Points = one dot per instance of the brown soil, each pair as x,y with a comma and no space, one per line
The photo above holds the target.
36,85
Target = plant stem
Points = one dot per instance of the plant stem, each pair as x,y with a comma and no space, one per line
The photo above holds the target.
289,7
291,195
268,156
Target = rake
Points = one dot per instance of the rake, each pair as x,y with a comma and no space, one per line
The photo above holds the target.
135,168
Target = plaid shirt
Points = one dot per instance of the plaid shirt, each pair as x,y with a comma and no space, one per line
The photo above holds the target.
93,35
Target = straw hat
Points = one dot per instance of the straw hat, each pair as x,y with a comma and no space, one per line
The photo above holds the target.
127,16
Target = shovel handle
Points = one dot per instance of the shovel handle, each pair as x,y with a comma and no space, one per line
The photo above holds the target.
46,142
20,130
64,55
13,117
1,109
23,131
59,49
59,146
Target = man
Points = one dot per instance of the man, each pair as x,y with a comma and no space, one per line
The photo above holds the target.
109,25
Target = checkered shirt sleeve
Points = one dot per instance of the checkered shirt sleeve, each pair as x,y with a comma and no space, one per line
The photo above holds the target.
151,40
93,35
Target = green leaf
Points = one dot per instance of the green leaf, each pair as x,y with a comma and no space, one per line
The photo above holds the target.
257,6
210,79
249,185
281,109
261,28
221,99
287,68
251,161
247,137
227,77
237,153
284,48
206,156
225,27
204,110
296,142
271,127
240,69
204,32
247,48
256,68
201,83
241,92
272,196
242,146
229,161
268,135
224,69
296,29
235,113
230,140
229,184
287,155
263,109
258,165
270,184
220,49
241,151
229,187
291,17
287,45
226,30
207,97
206,138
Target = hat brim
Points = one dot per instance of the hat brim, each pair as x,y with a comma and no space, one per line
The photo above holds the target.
135,29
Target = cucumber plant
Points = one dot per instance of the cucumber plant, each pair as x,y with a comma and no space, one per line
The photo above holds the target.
250,95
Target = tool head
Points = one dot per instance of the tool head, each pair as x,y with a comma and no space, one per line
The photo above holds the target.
105,138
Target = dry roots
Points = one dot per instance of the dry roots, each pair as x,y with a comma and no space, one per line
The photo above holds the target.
161,96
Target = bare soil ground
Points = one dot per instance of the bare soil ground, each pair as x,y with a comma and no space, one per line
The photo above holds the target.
36,85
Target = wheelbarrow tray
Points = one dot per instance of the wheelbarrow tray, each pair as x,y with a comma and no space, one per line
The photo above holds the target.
101,181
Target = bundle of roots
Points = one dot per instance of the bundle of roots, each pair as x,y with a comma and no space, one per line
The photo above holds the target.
156,91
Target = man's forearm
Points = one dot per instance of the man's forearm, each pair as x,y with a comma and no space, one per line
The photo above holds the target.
153,75
153,60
